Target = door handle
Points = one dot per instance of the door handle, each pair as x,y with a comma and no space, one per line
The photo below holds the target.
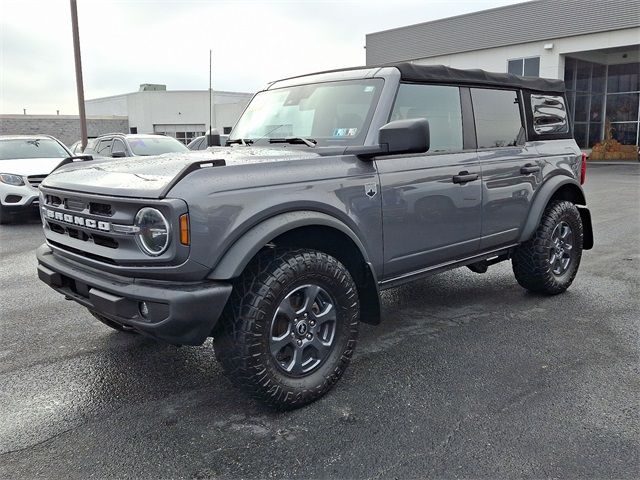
464,177
529,168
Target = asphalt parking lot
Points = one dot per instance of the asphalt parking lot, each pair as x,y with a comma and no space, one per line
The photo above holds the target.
468,376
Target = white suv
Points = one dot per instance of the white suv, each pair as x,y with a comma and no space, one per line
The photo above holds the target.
25,160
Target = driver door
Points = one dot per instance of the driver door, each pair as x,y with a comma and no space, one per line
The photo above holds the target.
431,202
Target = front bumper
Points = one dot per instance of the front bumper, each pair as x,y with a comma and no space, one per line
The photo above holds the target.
18,197
178,313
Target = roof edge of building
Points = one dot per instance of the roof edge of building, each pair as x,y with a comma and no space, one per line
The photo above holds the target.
503,7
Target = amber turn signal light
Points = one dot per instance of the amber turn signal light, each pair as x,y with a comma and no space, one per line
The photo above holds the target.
184,229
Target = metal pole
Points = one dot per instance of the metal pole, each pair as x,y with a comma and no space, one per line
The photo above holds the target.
78,62
210,134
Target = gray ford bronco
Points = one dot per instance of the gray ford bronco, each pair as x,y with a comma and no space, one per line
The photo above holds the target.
331,187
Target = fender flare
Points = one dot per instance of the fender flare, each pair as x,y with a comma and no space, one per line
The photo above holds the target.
541,200
236,258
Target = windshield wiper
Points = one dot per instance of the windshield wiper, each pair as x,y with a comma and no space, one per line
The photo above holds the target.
309,142
241,141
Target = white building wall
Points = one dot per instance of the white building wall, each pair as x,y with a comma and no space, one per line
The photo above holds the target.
178,107
551,61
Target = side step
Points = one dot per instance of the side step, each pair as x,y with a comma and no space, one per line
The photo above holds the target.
483,265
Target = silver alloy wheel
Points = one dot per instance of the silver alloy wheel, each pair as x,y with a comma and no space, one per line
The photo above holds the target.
303,330
561,248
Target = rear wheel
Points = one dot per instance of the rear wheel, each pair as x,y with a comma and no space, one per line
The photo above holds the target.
290,329
112,324
549,261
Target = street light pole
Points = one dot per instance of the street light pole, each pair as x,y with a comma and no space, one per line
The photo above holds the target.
78,62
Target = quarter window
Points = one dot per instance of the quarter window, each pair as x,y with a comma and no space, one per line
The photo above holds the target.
498,120
440,105
549,114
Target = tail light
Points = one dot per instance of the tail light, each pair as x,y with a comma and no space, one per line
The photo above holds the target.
583,169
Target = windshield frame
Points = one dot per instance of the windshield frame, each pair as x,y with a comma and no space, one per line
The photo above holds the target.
343,141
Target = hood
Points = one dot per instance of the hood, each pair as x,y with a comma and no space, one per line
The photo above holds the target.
153,177
29,166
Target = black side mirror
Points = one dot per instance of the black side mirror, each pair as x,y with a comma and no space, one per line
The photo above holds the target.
399,136
118,154
405,136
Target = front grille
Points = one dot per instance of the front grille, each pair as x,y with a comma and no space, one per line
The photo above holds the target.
35,180
95,227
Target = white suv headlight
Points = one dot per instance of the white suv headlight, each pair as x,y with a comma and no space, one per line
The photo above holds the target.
153,236
11,179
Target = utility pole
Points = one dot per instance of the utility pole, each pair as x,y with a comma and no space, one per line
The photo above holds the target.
210,133
78,62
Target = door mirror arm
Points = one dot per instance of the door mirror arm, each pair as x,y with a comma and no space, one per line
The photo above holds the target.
397,137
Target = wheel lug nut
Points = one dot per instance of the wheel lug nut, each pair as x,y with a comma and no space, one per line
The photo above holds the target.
309,336
312,323
293,334
299,342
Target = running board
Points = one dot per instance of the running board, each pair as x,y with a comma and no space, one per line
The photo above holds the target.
493,256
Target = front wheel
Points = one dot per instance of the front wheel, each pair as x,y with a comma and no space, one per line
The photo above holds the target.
290,328
549,261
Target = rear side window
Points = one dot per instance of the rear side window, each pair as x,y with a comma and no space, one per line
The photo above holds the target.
498,119
104,148
440,105
549,114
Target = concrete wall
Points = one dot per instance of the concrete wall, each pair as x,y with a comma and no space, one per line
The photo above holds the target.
551,61
65,128
177,107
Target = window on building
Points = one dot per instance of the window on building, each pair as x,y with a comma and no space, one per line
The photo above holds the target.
549,114
529,67
440,105
226,130
603,100
498,119
183,133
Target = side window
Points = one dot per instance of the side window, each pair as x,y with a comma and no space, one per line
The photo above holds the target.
440,105
498,120
118,146
104,148
549,114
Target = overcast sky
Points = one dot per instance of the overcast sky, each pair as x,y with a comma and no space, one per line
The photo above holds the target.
128,42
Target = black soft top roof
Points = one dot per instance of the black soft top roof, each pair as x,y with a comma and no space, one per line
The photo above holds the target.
441,74
411,72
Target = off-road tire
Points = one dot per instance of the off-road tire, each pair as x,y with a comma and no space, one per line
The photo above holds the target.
531,263
112,324
243,333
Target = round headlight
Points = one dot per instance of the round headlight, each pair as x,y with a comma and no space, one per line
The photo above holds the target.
153,234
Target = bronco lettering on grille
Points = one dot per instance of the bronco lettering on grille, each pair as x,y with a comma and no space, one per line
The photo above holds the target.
79,221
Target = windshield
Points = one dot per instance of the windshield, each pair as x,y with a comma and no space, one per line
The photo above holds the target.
155,145
21,148
332,113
